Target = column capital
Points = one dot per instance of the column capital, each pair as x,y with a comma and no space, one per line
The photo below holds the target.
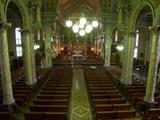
132,33
122,28
5,25
32,5
155,30
25,30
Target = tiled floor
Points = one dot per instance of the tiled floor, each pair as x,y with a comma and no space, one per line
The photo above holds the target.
80,108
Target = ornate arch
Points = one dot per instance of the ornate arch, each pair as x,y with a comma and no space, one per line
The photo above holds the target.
23,10
136,12
157,18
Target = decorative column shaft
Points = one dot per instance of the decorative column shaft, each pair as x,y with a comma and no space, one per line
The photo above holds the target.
121,33
38,15
120,17
108,43
48,50
127,65
95,46
151,80
36,28
27,49
8,98
33,60
123,57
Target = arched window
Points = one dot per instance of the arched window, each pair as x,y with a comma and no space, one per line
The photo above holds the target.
136,45
18,42
116,35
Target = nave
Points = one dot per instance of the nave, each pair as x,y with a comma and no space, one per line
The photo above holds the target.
81,93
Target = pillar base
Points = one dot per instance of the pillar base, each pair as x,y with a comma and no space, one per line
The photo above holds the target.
122,81
149,100
35,81
31,86
126,83
47,66
106,65
146,105
9,108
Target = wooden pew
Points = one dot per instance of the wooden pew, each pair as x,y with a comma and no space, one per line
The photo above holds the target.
50,102
104,115
109,101
153,113
6,116
111,107
48,108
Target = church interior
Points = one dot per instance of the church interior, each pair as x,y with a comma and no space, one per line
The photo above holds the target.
79,60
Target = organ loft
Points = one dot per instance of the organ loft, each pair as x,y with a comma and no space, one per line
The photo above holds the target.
79,60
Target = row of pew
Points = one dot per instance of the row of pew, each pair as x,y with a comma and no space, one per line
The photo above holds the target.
107,102
21,92
52,101
135,94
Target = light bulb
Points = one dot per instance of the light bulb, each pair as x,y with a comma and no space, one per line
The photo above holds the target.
81,25
82,32
83,20
92,49
120,47
69,23
36,47
75,28
95,23
62,48
88,28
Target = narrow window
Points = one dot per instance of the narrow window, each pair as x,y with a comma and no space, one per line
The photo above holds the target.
18,42
136,45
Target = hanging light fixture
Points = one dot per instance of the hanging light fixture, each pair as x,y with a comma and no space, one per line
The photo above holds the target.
82,32
95,23
75,28
82,25
36,46
120,47
69,23
83,20
88,28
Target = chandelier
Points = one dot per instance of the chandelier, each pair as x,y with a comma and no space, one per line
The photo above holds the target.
82,26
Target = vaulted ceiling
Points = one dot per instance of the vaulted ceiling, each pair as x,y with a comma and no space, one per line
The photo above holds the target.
75,8
66,8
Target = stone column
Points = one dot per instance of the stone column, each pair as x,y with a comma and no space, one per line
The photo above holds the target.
95,46
33,60
152,73
48,50
121,33
123,56
120,18
38,15
27,56
37,32
121,41
127,64
108,43
8,99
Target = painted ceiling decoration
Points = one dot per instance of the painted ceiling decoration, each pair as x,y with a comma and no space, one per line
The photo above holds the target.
67,8
75,8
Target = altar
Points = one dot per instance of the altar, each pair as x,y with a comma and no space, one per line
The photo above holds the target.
77,55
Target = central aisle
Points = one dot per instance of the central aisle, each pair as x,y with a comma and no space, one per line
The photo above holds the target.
80,108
